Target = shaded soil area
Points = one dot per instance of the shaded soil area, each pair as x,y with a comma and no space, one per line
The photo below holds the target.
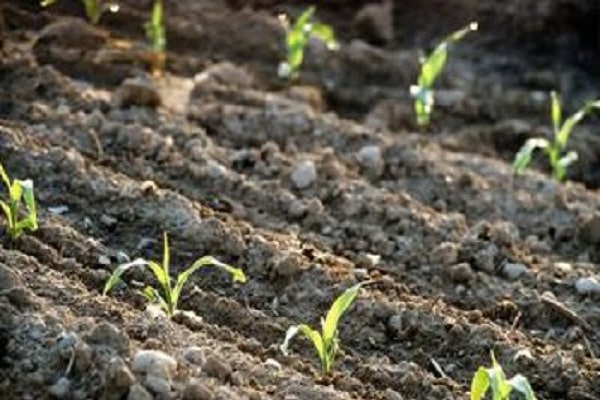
309,188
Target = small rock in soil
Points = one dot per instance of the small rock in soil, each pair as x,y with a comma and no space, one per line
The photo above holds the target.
374,22
222,73
590,229
217,367
194,355
60,389
196,390
118,379
505,233
370,158
587,285
461,273
305,173
514,271
106,334
138,392
154,362
138,92
391,394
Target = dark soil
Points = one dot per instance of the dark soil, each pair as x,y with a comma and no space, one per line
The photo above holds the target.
464,257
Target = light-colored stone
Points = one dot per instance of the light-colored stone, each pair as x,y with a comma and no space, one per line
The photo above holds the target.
461,273
60,389
194,355
587,285
107,334
157,384
305,173
118,379
154,362
513,271
370,158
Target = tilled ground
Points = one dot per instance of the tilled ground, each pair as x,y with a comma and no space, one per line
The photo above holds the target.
308,189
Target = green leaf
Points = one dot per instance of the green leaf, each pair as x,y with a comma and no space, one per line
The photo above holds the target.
304,19
521,385
29,198
115,278
523,157
433,65
7,213
461,33
310,333
479,384
5,178
324,33
556,112
339,306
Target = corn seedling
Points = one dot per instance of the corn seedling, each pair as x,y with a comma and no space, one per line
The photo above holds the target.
493,378
555,149
155,33
297,37
167,295
18,191
325,343
93,8
431,67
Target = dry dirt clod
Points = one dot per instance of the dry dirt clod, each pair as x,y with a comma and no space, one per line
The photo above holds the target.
590,229
217,367
154,362
8,278
60,389
514,271
194,355
197,390
587,285
138,392
117,379
108,335
374,22
461,273
138,92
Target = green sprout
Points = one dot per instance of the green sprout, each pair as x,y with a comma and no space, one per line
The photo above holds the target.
93,8
156,35
555,149
494,378
18,191
167,296
431,67
297,37
326,343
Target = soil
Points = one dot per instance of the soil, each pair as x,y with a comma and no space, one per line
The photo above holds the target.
309,188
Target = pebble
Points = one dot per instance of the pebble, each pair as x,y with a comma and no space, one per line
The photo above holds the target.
217,367
196,390
154,362
513,271
60,389
587,285
8,278
370,157
391,394
305,173
157,384
194,355
138,392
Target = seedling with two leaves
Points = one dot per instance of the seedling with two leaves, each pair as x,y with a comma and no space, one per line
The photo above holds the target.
19,191
167,295
326,342
494,379
431,67
297,37
555,149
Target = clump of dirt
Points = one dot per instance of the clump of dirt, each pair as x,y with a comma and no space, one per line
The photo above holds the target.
309,188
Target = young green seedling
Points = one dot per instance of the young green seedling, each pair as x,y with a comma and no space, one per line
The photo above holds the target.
297,37
431,67
18,191
326,343
93,8
155,33
167,295
494,378
554,149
